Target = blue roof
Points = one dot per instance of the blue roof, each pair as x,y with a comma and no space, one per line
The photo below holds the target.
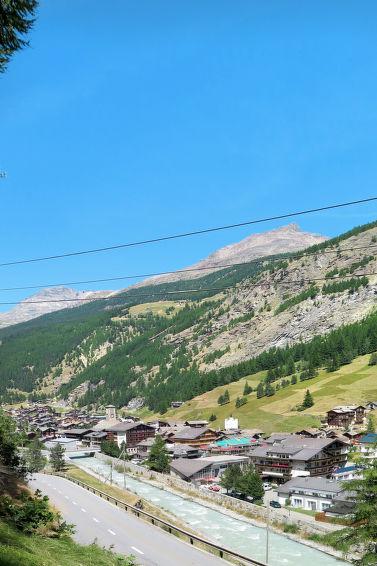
233,442
346,469
369,438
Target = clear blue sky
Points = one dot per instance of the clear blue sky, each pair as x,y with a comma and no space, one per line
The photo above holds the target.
132,119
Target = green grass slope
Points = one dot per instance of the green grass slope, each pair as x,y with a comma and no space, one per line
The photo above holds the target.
17,549
352,383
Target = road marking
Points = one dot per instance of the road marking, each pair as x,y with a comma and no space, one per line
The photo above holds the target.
83,510
55,488
111,532
95,520
66,496
74,502
137,550
61,493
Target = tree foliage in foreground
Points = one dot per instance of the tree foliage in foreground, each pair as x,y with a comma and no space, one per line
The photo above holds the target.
16,19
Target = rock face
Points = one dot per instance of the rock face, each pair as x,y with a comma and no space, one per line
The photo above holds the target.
289,238
30,308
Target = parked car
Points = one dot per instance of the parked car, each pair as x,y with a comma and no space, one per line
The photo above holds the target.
214,488
267,486
275,504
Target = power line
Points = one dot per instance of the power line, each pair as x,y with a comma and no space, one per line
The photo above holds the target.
185,291
267,259
187,234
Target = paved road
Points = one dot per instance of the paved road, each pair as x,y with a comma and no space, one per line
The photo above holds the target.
97,519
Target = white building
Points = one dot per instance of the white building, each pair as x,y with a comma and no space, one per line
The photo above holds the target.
231,423
311,493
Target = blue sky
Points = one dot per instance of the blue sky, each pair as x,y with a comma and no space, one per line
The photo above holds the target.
133,119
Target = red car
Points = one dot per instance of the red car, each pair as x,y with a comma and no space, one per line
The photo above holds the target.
214,487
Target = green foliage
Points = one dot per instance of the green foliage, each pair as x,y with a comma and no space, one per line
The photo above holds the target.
159,459
247,389
260,390
364,492
291,528
371,424
240,401
246,482
212,418
224,398
308,400
373,359
351,269
9,440
310,293
30,513
57,457
17,18
350,284
111,448
35,461
209,358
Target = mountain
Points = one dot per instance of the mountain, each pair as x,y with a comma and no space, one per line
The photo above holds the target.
163,342
286,239
29,309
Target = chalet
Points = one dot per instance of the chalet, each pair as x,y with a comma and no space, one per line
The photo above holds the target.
130,433
283,457
94,439
196,424
345,416
195,436
75,433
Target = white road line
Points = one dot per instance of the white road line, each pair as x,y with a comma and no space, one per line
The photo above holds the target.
61,493
74,502
95,520
137,550
111,532
66,496
83,510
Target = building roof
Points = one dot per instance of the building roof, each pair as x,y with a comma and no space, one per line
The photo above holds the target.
345,409
346,469
370,438
124,427
188,468
78,431
243,441
147,441
189,433
298,447
311,483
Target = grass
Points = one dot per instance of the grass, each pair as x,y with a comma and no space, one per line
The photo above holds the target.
353,383
158,308
18,549
303,511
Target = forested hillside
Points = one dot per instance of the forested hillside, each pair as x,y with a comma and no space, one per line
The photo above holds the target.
287,315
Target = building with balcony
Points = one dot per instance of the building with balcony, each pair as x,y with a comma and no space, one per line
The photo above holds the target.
345,416
284,457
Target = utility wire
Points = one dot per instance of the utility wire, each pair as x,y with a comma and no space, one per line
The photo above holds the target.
187,234
185,291
266,259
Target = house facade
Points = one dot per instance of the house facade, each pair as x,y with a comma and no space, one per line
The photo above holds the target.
291,456
131,434
345,416
310,493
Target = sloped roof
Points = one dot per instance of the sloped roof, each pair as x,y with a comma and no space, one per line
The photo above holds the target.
187,467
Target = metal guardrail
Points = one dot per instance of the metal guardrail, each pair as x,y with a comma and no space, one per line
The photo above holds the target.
221,551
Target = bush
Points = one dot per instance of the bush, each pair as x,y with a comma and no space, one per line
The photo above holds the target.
31,514
291,528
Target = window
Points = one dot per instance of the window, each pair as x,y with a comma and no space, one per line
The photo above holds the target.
296,502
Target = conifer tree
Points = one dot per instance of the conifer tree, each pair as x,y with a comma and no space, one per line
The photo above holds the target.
308,400
57,457
159,458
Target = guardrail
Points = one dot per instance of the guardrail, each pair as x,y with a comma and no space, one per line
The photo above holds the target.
214,548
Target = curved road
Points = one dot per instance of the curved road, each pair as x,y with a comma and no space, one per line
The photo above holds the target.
96,519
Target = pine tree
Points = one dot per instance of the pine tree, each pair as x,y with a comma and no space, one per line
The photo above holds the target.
251,484
260,390
294,379
158,458
247,389
364,492
270,390
371,425
212,418
226,397
57,457
308,400
35,461
373,359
